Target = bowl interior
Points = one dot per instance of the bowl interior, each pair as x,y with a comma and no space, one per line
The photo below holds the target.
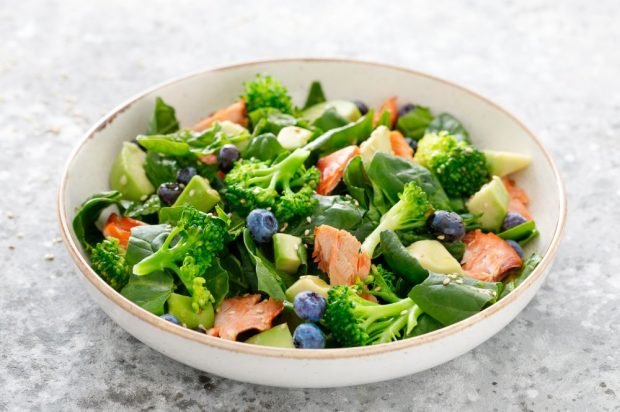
198,95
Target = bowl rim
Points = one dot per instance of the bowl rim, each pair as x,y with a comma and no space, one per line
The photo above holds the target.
300,354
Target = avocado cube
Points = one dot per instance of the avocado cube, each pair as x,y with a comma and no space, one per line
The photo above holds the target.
181,307
504,163
305,283
492,201
198,193
433,256
289,252
279,336
128,176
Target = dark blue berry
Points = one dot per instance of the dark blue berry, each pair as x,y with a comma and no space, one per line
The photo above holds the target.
308,336
361,106
309,305
513,219
516,247
185,175
169,192
170,318
447,226
406,109
227,156
412,143
262,224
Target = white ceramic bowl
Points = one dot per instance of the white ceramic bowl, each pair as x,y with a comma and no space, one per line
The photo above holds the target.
199,94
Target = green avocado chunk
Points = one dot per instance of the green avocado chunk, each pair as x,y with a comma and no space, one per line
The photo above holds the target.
344,108
198,193
289,252
309,282
128,176
504,163
492,201
181,307
279,336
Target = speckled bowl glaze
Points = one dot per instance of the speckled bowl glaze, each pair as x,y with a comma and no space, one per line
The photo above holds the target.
195,96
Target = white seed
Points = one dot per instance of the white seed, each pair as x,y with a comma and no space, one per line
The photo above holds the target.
446,281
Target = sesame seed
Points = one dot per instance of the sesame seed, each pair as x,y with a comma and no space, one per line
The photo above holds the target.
143,198
446,281
269,208
242,201
441,237
306,232
284,226
309,219
459,281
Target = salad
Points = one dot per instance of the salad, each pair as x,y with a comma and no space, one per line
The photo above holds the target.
321,226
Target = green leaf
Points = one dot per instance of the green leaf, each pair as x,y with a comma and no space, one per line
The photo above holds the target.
237,279
335,211
315,95
415,123
426,324
149,292
216,280
269,279
330,119
141,210
385,119
400,260
452,298
357,182
519,232
271,120
86,216
264,147
334,139
389,174
526,270
144,241
163,120
456,249
450,124
160,169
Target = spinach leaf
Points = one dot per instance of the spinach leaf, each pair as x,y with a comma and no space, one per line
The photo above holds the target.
264,147
145,211
144,241
526,270
237,279
385,119
330,119
519,232
336,211
450,124
357,182
400,260
315,95
216,280
426,324
174,144
270,120
84,221
334,139
452,298
389,174
149,292
160,169
163,120
415,123
456,249
269,280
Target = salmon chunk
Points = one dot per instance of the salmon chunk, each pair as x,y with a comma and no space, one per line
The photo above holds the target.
234,113
332,168
243,313
518,198
337,253
488,257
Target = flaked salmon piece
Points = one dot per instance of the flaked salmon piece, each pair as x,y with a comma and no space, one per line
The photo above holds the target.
332,168
389,105
234,113
400,147
243,313
337,253
518,198
488,257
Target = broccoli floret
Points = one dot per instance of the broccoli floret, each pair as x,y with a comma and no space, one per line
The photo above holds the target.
355,321
460,167
265,91
410,212
201,296
382,284
108,260
286,186
189,249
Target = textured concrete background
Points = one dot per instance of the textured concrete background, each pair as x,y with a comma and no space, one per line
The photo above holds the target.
65,64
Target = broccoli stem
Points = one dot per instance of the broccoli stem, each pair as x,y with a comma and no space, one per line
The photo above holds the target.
374,312
163,258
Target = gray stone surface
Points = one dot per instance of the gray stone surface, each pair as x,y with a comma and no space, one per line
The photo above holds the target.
556,65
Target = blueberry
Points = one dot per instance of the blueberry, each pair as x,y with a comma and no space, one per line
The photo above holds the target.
406,109
170,318
169,192
361,106
516,247
513,219
447,226
412,143
309,305
227,156
308,336
185,175
262,224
